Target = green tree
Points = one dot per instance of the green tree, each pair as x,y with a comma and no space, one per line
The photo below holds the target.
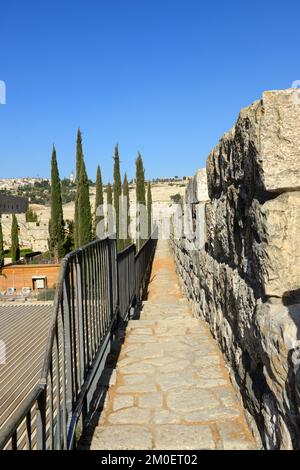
126,208
149,209
15,248
79,158
140,197
140,181
56,224
69,236
84,221
31,216
109,213
1,246
117,195
98,200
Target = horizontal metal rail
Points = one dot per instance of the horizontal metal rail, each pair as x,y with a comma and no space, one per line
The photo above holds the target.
96,288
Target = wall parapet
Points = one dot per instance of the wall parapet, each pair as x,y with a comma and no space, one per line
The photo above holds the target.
244,278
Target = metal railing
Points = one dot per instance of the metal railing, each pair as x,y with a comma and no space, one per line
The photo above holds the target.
142,264
96,287
126,278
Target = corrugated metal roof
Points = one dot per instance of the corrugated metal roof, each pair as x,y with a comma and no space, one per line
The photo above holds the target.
23,330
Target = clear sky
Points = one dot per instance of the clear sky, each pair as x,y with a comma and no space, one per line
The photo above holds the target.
166,77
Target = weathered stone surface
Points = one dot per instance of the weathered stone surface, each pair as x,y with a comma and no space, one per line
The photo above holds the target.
233,438
175,379
138,388
212,414
262,148
168,437
130,415
161,396
196,190
245,280
185,400
117,438
122,401
151,400
278,257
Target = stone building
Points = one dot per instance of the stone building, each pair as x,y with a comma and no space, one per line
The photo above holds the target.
13,204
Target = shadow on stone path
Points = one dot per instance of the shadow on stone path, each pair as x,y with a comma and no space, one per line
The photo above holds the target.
170,389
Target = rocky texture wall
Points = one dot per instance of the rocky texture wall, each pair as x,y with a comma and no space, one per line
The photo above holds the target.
243,274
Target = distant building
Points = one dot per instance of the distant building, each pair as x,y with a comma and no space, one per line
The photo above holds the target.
72,177
12,204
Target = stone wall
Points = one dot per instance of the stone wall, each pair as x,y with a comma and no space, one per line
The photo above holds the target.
241,268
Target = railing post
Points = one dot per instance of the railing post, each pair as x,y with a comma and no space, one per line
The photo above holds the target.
68,346
41,420
79,301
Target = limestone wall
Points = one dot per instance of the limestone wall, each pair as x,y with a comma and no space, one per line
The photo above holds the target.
243,274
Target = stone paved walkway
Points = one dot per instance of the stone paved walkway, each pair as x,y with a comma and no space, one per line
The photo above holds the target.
170,389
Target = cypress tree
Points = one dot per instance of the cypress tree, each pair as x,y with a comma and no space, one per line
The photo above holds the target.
98,199
126,207
140,195
56,224
79,158
84,221
1,246
149,209
15,249
117,195
109,213
140,181
79,154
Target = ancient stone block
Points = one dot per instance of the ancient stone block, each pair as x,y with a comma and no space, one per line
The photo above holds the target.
262,148
278,255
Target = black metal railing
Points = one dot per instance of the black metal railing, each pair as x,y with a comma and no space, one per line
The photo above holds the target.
143,263
126,278
96,287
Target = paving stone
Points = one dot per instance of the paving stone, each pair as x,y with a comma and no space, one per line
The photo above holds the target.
132,415
138,339
129,437
138,368
137,388
212,414
147,350
186,400
205,361
122,401
161,361
166,417
176,436
178,365
226,396
175,380
211,383
137,379
140,324
141,331
172,384
212,372
151,400
235,438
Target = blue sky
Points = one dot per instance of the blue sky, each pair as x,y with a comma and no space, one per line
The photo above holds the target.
166,77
